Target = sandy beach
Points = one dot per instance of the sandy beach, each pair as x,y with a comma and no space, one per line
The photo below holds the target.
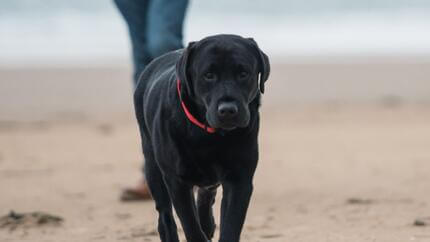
344,153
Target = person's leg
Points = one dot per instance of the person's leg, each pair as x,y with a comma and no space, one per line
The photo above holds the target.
165,29
155,28
135,13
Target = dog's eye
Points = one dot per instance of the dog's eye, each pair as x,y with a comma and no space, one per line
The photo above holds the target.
209,76
243,75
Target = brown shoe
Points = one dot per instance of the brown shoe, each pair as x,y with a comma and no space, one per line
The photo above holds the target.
138,193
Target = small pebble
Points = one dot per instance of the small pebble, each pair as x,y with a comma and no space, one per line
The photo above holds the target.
359,201
421,221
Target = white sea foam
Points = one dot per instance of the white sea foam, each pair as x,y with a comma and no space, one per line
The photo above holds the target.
73,35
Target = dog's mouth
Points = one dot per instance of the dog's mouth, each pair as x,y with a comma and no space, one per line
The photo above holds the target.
228,125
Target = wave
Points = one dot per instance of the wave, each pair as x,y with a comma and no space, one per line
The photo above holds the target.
73,34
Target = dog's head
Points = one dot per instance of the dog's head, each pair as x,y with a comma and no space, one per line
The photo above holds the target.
223,74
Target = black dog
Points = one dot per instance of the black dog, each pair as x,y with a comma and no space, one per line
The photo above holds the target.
197,110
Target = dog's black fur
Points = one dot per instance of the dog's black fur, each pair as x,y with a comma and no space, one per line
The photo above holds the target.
219,78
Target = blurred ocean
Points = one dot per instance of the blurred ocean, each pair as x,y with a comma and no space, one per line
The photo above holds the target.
55,31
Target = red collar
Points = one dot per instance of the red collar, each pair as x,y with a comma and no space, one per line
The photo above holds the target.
189,115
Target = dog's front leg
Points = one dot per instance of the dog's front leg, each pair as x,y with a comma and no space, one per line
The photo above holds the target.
184,203
235,201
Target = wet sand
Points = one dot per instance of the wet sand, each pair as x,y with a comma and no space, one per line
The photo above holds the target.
344,154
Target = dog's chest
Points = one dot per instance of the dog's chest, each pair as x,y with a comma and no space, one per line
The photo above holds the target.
203,159
206,165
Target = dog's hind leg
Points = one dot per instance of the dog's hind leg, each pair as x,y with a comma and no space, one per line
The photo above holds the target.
183,200
205,201
166,222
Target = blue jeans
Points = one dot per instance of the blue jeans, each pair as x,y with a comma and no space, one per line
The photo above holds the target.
155,28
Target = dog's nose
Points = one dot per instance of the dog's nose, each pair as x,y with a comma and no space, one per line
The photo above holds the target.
227,109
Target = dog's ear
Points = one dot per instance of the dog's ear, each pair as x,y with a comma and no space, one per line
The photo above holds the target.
182,70
264,65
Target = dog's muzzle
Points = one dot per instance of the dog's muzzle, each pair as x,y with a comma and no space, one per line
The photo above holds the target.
229,115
